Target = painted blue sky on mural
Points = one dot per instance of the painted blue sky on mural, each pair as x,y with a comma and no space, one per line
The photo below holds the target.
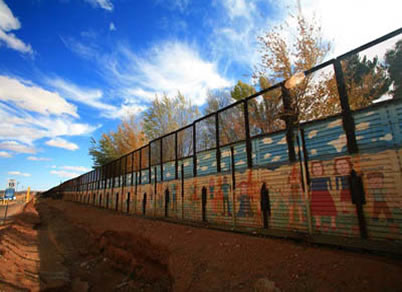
72,69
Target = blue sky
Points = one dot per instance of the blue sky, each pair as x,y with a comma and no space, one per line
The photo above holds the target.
72,69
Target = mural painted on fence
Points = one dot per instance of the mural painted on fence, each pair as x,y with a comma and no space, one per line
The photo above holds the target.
317,189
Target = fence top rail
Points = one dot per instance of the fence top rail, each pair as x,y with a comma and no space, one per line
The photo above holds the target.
261,92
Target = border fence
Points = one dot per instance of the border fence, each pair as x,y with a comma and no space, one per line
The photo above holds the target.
317,154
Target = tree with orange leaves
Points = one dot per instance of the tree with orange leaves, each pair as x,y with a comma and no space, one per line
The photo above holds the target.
114,144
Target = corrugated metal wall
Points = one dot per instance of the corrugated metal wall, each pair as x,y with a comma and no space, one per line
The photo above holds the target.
317,183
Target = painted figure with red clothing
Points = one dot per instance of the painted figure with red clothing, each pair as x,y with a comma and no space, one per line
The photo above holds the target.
322,203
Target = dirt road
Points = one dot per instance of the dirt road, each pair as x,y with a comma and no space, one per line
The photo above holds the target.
66,246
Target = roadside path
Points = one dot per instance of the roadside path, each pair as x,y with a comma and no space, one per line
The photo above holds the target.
199,259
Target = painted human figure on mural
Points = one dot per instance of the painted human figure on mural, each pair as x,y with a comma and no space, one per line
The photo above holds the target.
244,199
280,208
322,203
296,201
376,186
159,195
194,195
217,205
211,187
342,168
225,197
265,205
174,199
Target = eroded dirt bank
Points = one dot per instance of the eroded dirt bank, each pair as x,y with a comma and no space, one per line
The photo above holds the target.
63,246
43,250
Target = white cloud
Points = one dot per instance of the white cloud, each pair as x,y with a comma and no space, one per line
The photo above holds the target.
76,168
25,127
17,147
5,154
34,158
29,97
146,95
19,173
128,110
234,32
83,50
94,97
362,21
30,112
64,174
90,97
8,23
112,27
240,22
167,68
62,143
104,4
239,8
69,171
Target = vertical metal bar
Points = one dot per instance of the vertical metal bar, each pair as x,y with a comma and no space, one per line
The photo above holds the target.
119,172
135,192
98,170
347,118
289,120
125,171
232,166
140,163
194,152
305,154
176,156
161,161
99,177
105,177
182,191
123,183
305,178
155,190
217,142
248,139
149,162
87,181
132,168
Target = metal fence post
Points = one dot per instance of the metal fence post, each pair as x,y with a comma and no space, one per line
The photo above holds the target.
233,170
182,191
194,152
140,165
347,118
161,158
132,168
149,162
217,142
176,156
289,120
248,139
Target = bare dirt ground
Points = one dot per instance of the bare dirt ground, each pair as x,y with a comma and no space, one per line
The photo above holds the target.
12,209
63,246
